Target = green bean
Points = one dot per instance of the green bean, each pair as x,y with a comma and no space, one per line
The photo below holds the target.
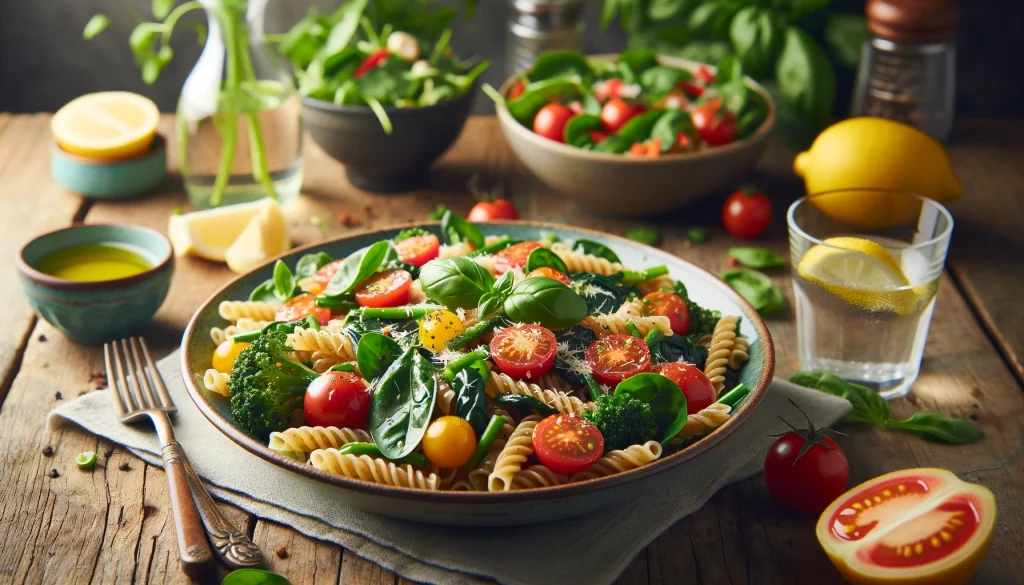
399,312
486,440
308,322
735,396
463,363
86,460
481,328
495,247
654,337
631,276
633,330
414,459
336,304
592,386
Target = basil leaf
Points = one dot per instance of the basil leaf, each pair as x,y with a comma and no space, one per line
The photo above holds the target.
638,60
456,230
264,291
470,399
845,35
542,257
357,267
254,577
490,303
403,399
665,9
539,94
346,23
577,129
711,20
375,353
805,77
756,288
936,426
560,64
667,401
456,283
571,356
545,301
756,34
756,257
503,286
284,281
661,79
525,404
677,348
595,249
310,263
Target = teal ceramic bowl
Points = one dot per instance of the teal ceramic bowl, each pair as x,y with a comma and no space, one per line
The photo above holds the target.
98,311
109,179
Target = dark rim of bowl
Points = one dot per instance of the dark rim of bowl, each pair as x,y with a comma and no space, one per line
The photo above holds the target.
326,106
509,124
449,497
53,282
159,144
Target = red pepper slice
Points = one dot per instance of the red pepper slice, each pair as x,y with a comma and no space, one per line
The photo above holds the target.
376,59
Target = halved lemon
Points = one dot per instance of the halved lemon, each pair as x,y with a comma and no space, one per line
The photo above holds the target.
265,236
209,233
107,125
860,272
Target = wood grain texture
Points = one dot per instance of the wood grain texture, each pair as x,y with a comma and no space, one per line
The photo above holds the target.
115,527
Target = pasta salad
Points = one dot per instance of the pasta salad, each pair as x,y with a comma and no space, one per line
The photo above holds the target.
477,364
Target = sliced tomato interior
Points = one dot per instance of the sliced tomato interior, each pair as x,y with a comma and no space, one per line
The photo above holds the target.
567,444
301,306
514,256
524,351
615,358
390,288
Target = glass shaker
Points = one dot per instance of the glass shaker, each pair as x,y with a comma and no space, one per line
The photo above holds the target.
536,26
907,70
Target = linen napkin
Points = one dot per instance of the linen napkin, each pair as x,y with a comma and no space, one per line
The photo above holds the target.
592,549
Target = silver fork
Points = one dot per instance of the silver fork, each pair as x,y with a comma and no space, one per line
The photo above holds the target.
132,377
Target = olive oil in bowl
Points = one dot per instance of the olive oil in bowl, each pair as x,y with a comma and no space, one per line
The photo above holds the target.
94,262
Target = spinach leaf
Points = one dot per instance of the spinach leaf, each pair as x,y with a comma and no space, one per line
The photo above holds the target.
637,129
671,125
456,283
667,401
493,301
545,301
470,399
571,359
677,348
346,23
940,427
805,77
402,401
730,84
310,263
284,281
756,257
264,291
604,294
254,577
375,354
756,34
539,94
541,257
456,230
595,249
638,60
756,288
868,407
560,64
578,128
645,234
357,267
661,79
525,404
403,331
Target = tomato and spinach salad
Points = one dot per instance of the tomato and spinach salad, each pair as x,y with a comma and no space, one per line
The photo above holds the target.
427,350
634,105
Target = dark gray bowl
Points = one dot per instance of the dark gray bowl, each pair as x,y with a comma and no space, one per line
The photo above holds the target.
387,163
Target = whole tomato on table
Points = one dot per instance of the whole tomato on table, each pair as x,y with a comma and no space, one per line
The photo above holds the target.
806,470
493,210
747,213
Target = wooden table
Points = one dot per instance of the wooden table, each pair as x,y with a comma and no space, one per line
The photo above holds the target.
114,525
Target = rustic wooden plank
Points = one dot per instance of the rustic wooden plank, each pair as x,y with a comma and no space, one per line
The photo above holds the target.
356,570
301,559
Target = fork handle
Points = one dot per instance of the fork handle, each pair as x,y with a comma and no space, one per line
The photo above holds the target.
193,549
234,548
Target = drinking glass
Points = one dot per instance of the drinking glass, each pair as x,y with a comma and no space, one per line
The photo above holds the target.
866,267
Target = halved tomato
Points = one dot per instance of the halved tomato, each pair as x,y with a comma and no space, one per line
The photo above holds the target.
666,304
514,256
324,275
921,526
418,250
385,289
301,306
617,357
691,380
524,352
549,272
567,444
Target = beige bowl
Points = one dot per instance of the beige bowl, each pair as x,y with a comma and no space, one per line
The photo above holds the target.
623,185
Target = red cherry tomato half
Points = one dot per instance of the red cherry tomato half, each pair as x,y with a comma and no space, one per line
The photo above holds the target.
692,88
808,482
666,304
514,256
300,307
704,74
418,250
617,357
567,444
550,121
551,273
597,136
696,387
615,113
374,60
746,214
524,352
492,210
611,88
385,289
337,399
716,126
517,90
326,273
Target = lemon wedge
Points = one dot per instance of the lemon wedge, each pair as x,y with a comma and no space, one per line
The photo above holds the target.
860,272
209,233
106,125
265,236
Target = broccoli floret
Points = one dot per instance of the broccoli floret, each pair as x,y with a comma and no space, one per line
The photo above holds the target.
410,233
622,420
267,385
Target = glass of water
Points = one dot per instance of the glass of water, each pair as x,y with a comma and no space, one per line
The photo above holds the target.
866,267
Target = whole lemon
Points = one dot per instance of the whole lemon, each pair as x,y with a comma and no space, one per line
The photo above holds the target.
875,153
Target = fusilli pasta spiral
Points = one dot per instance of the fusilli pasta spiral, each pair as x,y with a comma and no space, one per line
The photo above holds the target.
304,440
328,343
621,460
555,382
445,402
739,353
611,324
723,339
512,456
215,381
372,469
560,401
537,476
705,421
255,310
580,262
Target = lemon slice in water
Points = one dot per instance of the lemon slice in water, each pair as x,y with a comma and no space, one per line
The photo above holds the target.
860,272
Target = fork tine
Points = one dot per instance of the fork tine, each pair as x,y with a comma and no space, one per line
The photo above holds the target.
163,396
122,380
133,382
112,379
142,377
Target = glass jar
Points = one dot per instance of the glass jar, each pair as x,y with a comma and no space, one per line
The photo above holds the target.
537,26
239,116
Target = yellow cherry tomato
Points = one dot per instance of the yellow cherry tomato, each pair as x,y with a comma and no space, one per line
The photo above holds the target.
225,354
449,442
437,328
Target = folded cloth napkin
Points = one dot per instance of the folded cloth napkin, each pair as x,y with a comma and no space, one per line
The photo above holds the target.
565,551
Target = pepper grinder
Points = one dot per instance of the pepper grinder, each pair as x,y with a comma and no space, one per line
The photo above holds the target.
908,70
536,26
